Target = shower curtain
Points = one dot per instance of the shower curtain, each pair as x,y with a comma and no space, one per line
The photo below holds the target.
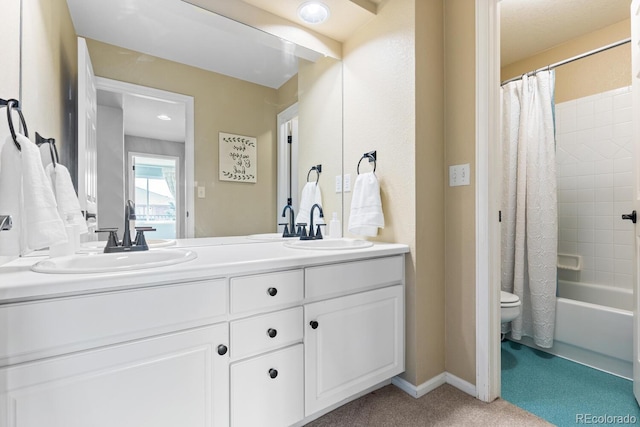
529,215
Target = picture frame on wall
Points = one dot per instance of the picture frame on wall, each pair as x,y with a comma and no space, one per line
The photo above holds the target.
238,158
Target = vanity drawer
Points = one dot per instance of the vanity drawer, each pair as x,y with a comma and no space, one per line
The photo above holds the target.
349,277
33,330
266,332
268,390
264,291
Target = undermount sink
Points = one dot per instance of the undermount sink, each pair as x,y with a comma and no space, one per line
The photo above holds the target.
113,262
98,245
269,237
329,244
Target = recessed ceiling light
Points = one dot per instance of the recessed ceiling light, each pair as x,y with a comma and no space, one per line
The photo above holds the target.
164,117
313,12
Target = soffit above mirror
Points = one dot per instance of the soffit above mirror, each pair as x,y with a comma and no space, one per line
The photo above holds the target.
528,27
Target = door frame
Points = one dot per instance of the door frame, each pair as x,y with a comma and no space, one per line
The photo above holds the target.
189,144
488,187
284,173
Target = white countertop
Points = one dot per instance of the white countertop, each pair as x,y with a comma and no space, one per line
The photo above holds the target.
217,257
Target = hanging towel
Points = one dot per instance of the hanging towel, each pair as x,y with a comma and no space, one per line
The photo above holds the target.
311,195
30,200
10,197
366,207
66,197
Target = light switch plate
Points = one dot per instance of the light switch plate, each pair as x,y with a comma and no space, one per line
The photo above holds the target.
338,183
201,193
459,175
346,183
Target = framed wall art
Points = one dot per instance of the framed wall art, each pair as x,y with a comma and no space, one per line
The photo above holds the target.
238,158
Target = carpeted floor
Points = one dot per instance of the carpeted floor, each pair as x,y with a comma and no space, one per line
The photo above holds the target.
444,406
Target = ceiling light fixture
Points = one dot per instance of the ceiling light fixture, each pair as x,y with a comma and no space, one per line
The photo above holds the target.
313,12
164,117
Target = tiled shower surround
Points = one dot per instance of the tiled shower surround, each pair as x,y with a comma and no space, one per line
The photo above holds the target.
594,167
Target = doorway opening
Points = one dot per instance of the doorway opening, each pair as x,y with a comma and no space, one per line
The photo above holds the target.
142,132
153,187
287,161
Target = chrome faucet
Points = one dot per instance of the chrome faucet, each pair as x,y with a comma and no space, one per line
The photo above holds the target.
289,228
317,235
5,222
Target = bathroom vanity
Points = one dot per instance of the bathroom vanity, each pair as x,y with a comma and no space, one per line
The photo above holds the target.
243,335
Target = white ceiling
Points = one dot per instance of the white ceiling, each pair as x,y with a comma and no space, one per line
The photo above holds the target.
531,26
141,115
345,16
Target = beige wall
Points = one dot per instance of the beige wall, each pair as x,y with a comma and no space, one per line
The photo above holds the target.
381,62
288,94
222,104
49,74
10,58
460,201
598,73
320,129
429,299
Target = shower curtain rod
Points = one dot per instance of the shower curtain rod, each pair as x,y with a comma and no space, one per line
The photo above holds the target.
566,61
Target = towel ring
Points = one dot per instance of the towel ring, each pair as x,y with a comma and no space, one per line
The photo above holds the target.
11,104
52,147
318,169
372,157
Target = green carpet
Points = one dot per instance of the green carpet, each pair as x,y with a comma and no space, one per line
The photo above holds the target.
563,392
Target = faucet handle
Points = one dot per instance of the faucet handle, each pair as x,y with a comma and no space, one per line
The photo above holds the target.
112,241
285,233
301,229
140,239
318,235
5,222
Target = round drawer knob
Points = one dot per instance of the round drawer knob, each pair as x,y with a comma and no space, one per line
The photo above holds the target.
222,349
272,332
273,373
272,291
314,324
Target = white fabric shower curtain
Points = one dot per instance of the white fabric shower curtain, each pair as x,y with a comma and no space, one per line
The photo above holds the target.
529,215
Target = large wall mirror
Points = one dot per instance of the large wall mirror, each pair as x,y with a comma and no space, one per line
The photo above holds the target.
243,83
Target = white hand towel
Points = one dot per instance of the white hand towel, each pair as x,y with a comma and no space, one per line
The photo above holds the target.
66,197
10,197
366,206
24,182
311,195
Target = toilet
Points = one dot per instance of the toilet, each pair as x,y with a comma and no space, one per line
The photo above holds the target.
510,306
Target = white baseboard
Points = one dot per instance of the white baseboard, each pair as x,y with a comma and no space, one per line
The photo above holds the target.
461,384
433,383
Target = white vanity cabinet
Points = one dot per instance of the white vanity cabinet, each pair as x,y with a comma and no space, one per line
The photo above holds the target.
266,371
172,380
239,345
155,356
356,341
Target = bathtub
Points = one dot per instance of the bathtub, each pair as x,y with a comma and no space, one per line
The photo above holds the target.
594,327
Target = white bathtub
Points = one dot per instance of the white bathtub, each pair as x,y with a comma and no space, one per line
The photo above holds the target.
591,333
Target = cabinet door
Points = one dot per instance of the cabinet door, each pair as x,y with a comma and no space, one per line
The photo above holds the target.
172,380
267,390
352,343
